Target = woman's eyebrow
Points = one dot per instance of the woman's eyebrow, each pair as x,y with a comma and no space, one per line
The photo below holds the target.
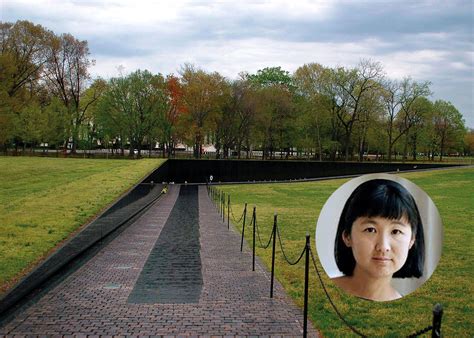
397,222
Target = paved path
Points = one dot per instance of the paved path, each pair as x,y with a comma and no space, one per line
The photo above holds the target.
112,294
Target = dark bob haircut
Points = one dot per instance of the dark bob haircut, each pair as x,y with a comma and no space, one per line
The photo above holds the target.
382,198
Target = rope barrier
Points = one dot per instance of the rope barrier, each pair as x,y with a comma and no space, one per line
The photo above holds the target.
420,332
233,216
260,241
283,251
330,300
269,240
276,232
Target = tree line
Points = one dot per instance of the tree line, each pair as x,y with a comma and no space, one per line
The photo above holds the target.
47,96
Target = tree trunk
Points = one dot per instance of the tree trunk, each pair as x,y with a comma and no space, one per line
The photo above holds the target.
390,145
414,146
239,148
320,146
405,150
346,146
75,137
441,148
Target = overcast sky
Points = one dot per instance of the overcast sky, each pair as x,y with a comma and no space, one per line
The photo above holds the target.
427,40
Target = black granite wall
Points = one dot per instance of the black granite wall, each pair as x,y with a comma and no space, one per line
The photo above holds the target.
198,171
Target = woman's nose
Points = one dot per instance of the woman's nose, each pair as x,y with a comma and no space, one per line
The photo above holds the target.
383,243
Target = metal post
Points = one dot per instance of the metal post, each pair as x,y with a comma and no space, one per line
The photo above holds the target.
220,203
228,211
306,284
243,229
253,243
437,315
223,207
274,234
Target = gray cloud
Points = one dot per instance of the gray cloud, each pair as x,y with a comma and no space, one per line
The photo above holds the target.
430,40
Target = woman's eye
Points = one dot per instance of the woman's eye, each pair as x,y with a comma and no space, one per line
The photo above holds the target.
397,232
370,229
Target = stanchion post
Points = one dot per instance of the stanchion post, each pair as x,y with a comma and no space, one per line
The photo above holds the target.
243,229
228,212
253,243
306,284
223,207
437,315
274,234
220,203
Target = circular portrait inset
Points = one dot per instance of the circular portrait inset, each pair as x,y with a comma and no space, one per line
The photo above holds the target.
379,237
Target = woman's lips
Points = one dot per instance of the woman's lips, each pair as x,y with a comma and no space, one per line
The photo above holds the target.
381,259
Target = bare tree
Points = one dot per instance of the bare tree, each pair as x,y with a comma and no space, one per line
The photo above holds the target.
391,96
410,92
352,87
68,77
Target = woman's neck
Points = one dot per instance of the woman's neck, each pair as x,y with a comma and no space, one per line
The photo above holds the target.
365,286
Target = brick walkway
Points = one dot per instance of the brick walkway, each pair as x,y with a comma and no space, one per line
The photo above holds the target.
95,299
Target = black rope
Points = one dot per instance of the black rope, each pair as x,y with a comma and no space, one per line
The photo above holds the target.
332,303
352,328
233,216
251,220
269,240
420,332
283,251
258,236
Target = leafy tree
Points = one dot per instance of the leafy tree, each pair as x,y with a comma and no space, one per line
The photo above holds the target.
134,105
314,105
113,109
169,123
56,126
28,125
226,121
448,125
23,54
275,110
203,98
245,98
421,111
271,76
468,143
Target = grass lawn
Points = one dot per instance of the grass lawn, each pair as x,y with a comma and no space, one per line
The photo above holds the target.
44,200
298,206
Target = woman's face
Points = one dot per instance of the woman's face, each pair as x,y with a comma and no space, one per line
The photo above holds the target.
380,246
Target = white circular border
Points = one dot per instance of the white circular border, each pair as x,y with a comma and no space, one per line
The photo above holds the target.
328,220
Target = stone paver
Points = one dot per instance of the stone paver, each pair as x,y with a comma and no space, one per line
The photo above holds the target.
172,273
94,301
